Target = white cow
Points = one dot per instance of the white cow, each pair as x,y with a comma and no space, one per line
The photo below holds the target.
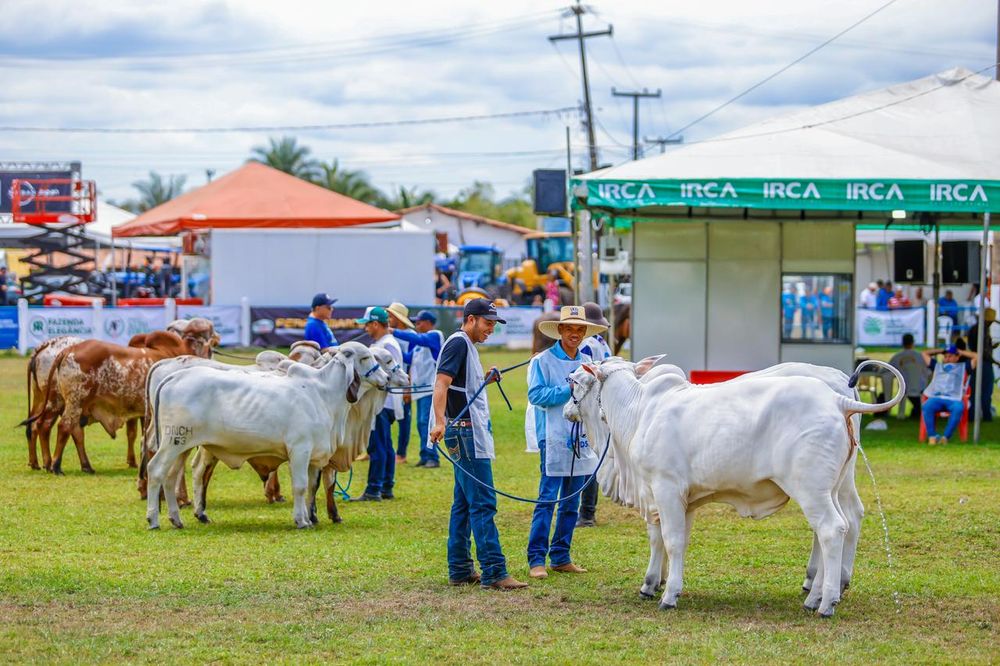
752,443
236,416
360,421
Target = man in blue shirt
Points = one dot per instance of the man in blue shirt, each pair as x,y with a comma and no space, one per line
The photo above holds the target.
316,327
424,348
948,307
566,463
883,296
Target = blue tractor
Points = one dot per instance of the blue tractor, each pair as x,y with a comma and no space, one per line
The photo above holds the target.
480,272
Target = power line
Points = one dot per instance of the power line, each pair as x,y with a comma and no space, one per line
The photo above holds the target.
290,128
783,69
288,54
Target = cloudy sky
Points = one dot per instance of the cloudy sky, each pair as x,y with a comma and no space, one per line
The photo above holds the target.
247,63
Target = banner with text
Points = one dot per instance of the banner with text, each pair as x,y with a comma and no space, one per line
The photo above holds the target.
118,325
516,333
281,326
817,194
8,326
886,327
47,323
225,319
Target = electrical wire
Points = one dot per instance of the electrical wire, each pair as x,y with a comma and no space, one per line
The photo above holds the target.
292,128
782,69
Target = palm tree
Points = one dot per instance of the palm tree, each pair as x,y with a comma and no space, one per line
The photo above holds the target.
286,155
354,184
410,197
154,191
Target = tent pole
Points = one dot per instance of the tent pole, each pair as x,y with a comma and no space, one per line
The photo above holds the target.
114,275
985,356
936,289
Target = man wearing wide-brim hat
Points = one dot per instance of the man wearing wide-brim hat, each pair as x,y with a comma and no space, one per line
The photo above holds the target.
565,463
399,319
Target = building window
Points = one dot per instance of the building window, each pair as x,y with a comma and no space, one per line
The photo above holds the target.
816,308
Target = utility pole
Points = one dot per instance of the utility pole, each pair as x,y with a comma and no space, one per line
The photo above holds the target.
580,36
636,96
996,70
586,255
663,141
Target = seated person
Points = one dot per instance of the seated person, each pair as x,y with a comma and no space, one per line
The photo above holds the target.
912,366
899,300
946,390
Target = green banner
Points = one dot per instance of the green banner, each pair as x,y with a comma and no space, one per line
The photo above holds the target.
876,195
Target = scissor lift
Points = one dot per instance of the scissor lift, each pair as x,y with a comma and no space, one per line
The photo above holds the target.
61,208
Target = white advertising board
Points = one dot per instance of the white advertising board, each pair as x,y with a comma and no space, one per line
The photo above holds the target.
886,327
225,319
287,267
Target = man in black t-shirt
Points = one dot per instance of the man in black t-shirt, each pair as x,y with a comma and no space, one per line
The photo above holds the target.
467,433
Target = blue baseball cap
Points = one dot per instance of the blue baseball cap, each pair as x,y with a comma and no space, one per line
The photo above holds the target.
322,299
951,349
426,315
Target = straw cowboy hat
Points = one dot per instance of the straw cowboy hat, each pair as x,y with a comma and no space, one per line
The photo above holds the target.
990,315
570,314
402,313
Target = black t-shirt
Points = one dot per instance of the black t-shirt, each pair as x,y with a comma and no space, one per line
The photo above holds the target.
452,363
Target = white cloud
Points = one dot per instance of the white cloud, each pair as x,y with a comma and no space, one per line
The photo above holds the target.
340,66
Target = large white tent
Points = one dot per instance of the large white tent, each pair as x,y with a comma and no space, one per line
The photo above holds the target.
939,131
724,228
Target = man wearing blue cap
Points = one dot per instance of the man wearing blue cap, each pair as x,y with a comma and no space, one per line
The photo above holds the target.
381,456
425,345
316,326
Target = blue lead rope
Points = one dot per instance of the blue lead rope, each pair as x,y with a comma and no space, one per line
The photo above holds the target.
458,466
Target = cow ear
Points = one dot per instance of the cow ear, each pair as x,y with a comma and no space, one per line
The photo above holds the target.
354,387
590,368
646,364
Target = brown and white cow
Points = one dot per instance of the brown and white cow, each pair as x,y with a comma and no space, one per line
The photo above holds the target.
104,382
38,374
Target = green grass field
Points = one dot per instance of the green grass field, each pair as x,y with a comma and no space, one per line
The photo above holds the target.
82,580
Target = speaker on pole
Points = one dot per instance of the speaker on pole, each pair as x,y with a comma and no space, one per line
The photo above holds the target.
908,261
550,192
959,262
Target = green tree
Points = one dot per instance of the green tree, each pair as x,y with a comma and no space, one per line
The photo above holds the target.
153,191
285,154
480,199
354,184
409,197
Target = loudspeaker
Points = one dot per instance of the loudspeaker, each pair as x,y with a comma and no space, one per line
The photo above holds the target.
908,261
550,191
959,262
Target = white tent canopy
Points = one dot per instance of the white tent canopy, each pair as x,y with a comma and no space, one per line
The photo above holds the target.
925,145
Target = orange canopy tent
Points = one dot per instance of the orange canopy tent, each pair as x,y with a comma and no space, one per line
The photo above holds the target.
253,196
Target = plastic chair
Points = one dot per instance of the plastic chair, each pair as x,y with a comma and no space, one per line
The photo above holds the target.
963,425
945,326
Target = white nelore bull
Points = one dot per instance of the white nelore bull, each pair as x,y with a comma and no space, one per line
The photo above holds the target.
752,443
235,416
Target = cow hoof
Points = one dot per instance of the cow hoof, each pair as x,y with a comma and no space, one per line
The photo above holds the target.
809,608
202,518
183,503
132,465
665,606
88,470
153,524
177,523
34,466
826,614
278,499
646,595
58,472
338,519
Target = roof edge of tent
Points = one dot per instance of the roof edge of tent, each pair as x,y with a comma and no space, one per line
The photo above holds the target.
177,225
864,194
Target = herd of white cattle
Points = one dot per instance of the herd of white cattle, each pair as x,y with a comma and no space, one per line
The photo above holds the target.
754,442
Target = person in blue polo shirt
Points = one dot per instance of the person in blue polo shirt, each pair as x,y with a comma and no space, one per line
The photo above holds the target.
316,326
425,347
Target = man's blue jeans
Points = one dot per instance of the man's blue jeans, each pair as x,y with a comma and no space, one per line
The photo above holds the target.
551,488
404,432
423,423
381,457
472,510
934,405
